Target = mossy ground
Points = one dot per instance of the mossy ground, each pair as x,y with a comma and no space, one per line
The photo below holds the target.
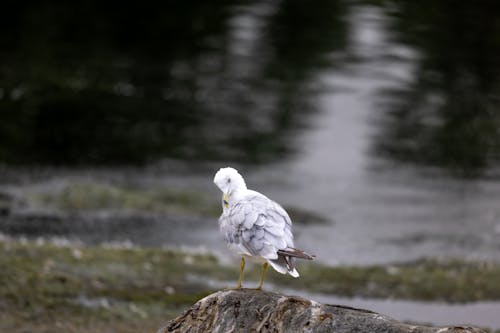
89,196
52,288
94,289
92,196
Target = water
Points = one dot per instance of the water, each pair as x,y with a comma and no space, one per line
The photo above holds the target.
395,211
375,125
480,314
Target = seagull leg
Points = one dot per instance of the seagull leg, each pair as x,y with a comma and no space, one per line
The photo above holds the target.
242,268
264,268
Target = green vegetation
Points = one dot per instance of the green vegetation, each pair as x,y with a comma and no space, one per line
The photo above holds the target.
100,196
91,196
84,289
70,288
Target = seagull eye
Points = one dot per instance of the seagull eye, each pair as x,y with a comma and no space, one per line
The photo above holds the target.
229,180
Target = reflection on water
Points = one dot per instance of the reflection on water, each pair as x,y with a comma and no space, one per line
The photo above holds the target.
383,210
85,84
447,114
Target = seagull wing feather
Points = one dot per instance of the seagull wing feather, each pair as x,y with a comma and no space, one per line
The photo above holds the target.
257,226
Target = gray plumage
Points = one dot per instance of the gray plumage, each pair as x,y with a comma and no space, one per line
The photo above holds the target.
255,226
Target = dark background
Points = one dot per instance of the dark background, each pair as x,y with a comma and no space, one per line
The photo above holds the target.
93,83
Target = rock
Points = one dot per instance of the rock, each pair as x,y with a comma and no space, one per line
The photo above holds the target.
249,310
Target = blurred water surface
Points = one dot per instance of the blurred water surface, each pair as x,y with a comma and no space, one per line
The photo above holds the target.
381,116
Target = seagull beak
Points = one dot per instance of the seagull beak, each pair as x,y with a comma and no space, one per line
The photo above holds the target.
225,197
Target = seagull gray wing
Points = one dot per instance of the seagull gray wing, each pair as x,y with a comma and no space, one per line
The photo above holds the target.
257,226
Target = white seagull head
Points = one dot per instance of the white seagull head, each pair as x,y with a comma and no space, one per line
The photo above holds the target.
228,180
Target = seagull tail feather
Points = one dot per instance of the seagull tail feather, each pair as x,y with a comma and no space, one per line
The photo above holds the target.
291,252
284,265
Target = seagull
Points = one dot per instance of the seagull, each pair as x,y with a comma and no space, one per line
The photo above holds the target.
256,227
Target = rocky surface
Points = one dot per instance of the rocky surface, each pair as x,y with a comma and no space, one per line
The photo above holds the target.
249,310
